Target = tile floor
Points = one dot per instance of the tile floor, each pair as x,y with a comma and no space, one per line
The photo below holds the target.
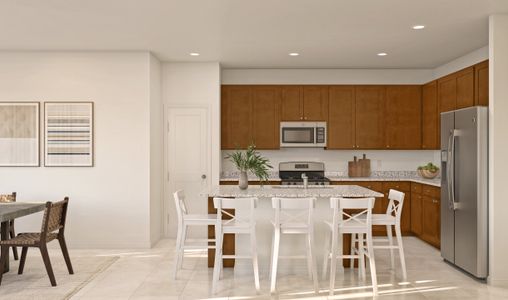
145,274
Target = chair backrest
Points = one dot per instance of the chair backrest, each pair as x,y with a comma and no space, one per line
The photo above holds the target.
395,205
248,205
54,217
293,210
181,208
6,198
361,218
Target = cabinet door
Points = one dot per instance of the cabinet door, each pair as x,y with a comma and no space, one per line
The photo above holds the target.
465,88
482,83
239,116
416,213
430,116
431,220
341,117
315,103
224,120
266,116
292,103
403,116
369,121
447,93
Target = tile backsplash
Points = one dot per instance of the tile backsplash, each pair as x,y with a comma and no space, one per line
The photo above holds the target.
336,161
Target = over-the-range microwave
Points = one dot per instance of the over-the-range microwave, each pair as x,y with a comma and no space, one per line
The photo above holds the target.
303,134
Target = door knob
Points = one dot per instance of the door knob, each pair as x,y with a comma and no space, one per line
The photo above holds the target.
203,176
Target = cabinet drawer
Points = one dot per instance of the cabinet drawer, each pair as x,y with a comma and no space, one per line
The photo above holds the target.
416,188
431,191
402,186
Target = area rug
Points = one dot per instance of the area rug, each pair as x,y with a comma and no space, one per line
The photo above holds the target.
34,282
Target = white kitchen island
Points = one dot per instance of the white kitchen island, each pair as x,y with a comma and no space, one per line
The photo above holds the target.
264,214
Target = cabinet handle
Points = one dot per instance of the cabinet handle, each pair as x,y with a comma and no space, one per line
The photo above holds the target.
301,118
434,201
305,118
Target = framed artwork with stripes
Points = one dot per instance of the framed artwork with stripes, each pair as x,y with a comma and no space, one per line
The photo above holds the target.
69,134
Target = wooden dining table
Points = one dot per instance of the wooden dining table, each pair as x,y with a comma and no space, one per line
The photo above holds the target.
10,211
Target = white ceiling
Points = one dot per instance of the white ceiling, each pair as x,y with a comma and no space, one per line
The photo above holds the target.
257,33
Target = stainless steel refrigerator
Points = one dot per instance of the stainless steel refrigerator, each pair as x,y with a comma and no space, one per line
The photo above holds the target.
464,189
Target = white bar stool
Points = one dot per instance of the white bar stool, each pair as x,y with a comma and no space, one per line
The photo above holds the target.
360,224
391,218
184,221
235,225
293,216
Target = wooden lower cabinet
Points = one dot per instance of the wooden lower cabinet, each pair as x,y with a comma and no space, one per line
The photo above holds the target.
426,213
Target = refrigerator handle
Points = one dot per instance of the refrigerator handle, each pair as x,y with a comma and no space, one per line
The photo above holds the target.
450,169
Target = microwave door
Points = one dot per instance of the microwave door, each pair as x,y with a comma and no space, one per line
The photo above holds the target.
297,136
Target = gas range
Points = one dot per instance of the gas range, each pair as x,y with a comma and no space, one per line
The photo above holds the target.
290,173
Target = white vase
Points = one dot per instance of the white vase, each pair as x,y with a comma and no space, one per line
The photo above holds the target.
243,180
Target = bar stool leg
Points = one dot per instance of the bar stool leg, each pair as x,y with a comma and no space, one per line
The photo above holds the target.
255,259
352,251
372,263
313,260
217,262
333,260
390,242
401,252
326,256
275,258
361,258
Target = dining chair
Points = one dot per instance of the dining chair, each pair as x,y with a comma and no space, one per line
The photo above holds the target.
237,224
8,198
358,223
186,220
389,219
53,227
294,216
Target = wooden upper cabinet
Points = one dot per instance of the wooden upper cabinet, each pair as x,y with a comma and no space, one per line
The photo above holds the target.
447,93
430,116
224,118
341,117
266,116
403,116
481,71
369,121
315,103
238,105
465,88
292,103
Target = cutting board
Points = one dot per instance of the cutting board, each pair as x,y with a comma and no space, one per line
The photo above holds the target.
364,166
354,168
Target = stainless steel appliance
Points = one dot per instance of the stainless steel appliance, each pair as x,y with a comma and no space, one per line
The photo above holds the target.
293,173
464,189
303,134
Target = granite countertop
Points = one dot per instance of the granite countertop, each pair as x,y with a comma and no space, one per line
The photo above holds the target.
342,176
292,191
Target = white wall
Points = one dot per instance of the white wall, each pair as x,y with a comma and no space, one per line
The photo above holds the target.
326,76
462,62
191,85
498,147
156,151
109,203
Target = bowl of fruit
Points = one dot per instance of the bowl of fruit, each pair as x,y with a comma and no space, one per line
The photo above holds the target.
429,171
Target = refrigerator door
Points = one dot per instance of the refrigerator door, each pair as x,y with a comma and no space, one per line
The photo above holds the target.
447,212
469,213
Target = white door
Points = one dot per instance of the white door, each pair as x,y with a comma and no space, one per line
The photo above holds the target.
188,153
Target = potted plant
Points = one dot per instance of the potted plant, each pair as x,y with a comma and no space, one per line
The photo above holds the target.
428,171
250,160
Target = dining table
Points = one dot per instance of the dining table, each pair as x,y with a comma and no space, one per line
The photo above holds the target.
11,211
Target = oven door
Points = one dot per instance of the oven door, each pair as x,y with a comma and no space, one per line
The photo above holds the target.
297,135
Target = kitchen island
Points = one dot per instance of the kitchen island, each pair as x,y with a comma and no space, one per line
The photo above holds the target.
292,245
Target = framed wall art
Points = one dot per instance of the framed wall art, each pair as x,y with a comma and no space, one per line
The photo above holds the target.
19,134
69,138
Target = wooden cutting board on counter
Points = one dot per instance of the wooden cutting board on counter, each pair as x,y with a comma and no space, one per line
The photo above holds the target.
359,168
365,166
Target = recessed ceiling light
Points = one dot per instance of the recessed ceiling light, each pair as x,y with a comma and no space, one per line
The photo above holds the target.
294,54
194,54
418,27
382,54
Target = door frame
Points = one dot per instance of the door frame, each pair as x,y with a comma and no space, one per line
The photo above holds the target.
167,202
